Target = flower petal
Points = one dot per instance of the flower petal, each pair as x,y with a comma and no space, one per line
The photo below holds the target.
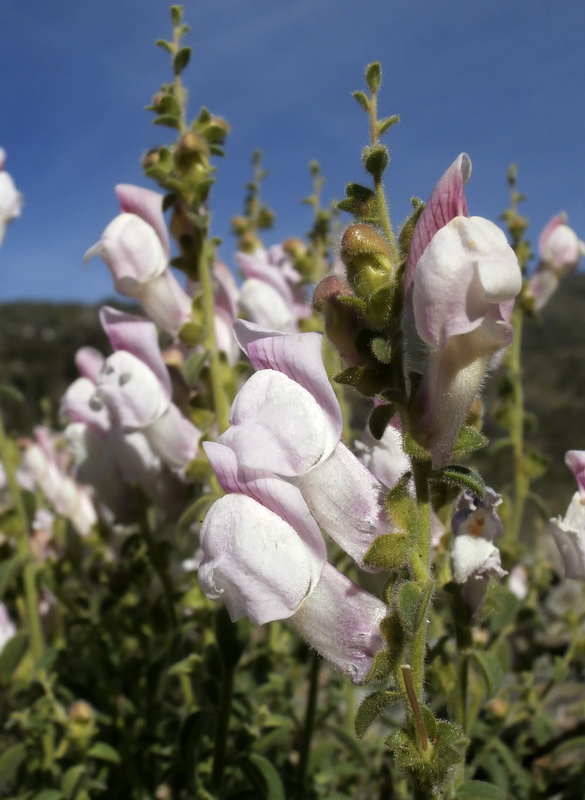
147,205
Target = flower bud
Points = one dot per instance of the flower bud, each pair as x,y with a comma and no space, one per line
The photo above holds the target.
367,258
294,247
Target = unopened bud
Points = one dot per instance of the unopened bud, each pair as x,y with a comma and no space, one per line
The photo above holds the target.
151,159
240,225
294,247
81,713
343,321
367,257
191,142
249,242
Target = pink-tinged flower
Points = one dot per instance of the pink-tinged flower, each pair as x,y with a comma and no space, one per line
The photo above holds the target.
474,557
265,558
7,627
45,464
286,420
135,387
226,298
560,251
10,198
384,457
461,281
272,296
569,531
135,247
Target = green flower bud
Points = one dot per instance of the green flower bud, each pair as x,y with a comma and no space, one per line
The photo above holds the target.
367,257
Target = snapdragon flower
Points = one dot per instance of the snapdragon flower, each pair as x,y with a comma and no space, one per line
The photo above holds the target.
474,556
569,531
135,247
10,198
272,294
560,250
461,280
286,420
264,556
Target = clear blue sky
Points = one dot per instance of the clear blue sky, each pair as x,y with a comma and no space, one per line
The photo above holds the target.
503,80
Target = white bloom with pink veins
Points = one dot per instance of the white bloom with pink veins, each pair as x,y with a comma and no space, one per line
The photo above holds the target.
569,531
135,387
560,252
272,296
264,556
135,247
286,420
461,280
10,198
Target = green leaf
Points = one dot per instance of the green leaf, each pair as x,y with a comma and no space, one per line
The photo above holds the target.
176,14
382,349
265,776
385,124
389,551
479,790
49,794
72,780
10,394
379,419
9,570
104,752
374,76
412,604
469,440
12,655
181,60
168,46
460,477
362,100
489,668
10,761
170,120
372,708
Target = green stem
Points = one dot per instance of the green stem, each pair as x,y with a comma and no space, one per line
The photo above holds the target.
219,397
421,568
23,546
309,720
521,479
221,736
383,210
159,568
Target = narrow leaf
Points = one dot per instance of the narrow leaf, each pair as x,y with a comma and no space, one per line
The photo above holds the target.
104,752
460,477
489,668
372,709
479,790
181,60
270,781
12,655
10,761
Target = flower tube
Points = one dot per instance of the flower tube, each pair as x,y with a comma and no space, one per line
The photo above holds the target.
569,531
461,280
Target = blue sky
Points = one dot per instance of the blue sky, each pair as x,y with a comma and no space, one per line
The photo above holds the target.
500,79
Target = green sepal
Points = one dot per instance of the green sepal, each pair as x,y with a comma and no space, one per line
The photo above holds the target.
181,60
479,790
104,752
379,419
366,380
382,667
490,669
460,477
374,76
389,551
375,159
430,768
372,708
380,305
385,124
362,100
469,441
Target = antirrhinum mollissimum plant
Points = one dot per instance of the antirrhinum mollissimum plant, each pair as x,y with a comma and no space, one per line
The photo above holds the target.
373,540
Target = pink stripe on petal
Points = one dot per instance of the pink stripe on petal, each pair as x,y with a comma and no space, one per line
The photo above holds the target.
147,205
